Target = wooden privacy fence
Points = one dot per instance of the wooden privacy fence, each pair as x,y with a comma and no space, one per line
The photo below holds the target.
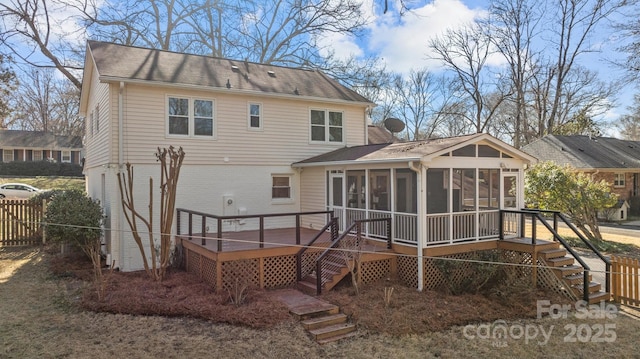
624,280
20,222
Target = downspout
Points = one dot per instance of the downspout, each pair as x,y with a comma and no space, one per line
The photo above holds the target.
119,169
420,222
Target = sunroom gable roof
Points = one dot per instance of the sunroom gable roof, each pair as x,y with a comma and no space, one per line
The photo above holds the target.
407,151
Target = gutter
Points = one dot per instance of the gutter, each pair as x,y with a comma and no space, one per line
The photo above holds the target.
421,217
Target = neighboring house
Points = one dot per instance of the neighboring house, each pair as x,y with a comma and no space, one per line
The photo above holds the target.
613,160
18,145
262,139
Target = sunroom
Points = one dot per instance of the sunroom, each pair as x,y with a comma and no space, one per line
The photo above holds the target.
439,192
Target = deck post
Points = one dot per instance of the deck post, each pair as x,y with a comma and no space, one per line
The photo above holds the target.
190,225
261,232
501,225
204,230
389,239
178,222
297,229
218,241
522,225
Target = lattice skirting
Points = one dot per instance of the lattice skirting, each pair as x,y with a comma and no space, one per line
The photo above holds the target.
375,270
269,272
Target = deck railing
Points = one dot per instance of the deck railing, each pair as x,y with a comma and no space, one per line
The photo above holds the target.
451,228
536,215
219,220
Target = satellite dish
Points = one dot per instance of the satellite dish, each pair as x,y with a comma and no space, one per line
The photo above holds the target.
394,125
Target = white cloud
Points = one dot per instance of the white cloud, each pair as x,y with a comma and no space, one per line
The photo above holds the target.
402,41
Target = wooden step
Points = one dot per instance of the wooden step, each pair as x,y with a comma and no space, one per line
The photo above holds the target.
324,321
314,310
593,287
307,287
576,278
560,261
599,297
338,337
332,331
553,253
567,270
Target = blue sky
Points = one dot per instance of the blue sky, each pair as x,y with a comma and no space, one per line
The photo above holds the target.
402,41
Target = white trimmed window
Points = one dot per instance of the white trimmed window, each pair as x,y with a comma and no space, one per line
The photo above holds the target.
7,155
66,156
327,126
255,116
97,119
37,155
90,124
189,117
619,180
281,187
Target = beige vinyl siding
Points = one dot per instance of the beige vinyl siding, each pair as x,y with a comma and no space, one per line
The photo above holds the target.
284,139
313,195
97,150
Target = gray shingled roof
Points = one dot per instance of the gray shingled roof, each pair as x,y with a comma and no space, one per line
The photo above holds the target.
404,151
126,63
37,139
586,152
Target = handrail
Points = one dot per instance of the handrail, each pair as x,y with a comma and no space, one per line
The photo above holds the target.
607,261
358,225
219,220
537,214
326,252
333,223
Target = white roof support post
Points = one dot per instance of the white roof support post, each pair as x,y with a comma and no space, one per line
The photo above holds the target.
420,220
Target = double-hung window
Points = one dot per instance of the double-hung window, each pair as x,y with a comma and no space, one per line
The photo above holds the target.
190,117
327,126
619,180
7,155
66,156
255,116
281,187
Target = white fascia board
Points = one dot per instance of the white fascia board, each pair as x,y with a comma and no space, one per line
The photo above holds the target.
360,162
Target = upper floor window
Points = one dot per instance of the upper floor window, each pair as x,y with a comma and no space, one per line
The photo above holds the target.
7,155
190,117
619,180
66,156
97,119
255,116
326,126
90,124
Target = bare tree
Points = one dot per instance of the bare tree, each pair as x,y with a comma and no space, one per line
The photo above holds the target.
46,103
629,124
421,101
513,25
28,32
574,23
8,84
464,52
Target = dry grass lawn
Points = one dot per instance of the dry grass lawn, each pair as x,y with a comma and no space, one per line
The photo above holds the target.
40,318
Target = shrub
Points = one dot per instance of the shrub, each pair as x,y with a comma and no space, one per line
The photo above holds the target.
40,168
73,217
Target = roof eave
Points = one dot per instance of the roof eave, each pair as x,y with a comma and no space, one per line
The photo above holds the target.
355,162
231,90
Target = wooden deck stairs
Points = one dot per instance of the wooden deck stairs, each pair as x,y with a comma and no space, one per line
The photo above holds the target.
323,321
564,267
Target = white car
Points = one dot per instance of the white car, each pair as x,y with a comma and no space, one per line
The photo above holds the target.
17,191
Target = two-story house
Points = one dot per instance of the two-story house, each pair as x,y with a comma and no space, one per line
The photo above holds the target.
263,139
